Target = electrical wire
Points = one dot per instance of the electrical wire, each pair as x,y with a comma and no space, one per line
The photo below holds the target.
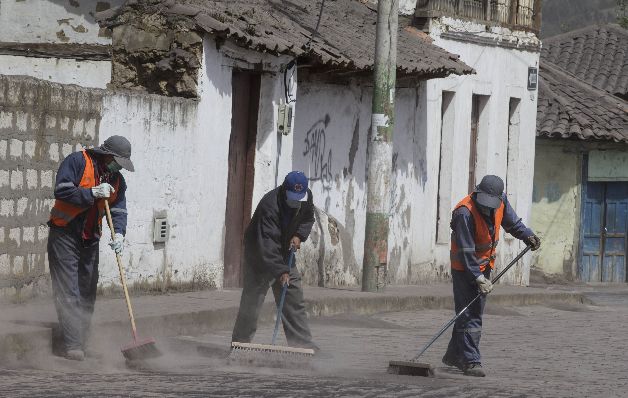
291,65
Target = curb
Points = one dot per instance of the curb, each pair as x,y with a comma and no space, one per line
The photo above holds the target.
19,345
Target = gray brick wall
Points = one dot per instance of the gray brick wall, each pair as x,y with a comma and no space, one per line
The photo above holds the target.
40,124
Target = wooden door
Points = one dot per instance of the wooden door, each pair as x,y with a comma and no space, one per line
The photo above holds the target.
245,106
614,233
592,224
604,232
473,144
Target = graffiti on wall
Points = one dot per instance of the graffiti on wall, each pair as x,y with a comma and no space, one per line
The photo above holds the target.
320,156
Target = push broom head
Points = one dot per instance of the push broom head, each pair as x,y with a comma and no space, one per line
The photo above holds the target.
269,355
410,368
141,349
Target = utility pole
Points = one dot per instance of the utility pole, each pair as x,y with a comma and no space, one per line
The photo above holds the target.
380,148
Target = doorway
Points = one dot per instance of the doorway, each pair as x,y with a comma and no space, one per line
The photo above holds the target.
604,232
242,143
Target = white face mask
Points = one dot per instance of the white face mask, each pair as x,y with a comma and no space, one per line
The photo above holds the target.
293,204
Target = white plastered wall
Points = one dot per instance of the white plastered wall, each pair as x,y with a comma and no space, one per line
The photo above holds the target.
501,73
53,21
332,124
180,151
58,22
93,74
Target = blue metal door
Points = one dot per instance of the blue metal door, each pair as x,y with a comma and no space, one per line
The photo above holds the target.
604,232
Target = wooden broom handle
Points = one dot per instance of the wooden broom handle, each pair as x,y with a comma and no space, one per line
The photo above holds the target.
121,269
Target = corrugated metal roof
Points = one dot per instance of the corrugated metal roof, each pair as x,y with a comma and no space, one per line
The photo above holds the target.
345,38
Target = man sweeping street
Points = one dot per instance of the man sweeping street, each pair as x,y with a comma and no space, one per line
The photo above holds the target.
84,181
475,224
282,220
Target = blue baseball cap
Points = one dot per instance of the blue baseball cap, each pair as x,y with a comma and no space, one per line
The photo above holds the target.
295,184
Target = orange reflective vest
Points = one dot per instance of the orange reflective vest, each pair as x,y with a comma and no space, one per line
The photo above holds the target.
63,212
484,245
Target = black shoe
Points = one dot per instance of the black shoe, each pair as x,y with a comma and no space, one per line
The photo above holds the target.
473,369
452,362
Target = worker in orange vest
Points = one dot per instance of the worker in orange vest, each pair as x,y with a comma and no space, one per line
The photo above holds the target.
84,181
475,224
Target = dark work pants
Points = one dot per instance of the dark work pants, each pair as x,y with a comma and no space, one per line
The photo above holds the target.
294,319
464,346
74,273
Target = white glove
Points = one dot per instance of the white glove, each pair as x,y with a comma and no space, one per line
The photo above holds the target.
103,190
117,244
484,284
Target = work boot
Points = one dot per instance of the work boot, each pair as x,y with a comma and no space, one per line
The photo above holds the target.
473,369
452,362
75,355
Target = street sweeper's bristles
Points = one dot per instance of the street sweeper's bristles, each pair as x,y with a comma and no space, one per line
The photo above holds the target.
270,355
272,348
410,368
138,350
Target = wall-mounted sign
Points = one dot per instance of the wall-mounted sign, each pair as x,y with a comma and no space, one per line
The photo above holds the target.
533,78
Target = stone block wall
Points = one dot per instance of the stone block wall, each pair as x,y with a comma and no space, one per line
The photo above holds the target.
40,124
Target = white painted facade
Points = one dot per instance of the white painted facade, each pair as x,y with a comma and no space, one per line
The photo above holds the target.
180,152
181,147
93,74
501,74
52,21
55,22
332,123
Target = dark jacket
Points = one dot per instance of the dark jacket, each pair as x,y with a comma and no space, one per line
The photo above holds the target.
67,189
463,227
267,238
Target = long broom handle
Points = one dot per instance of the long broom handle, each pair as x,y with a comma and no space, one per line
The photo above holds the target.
282,299
451,322
122,277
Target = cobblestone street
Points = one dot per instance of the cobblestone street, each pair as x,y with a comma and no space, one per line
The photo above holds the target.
557,350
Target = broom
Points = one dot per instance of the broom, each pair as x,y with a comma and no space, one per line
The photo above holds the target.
137,349
273,355
415,368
